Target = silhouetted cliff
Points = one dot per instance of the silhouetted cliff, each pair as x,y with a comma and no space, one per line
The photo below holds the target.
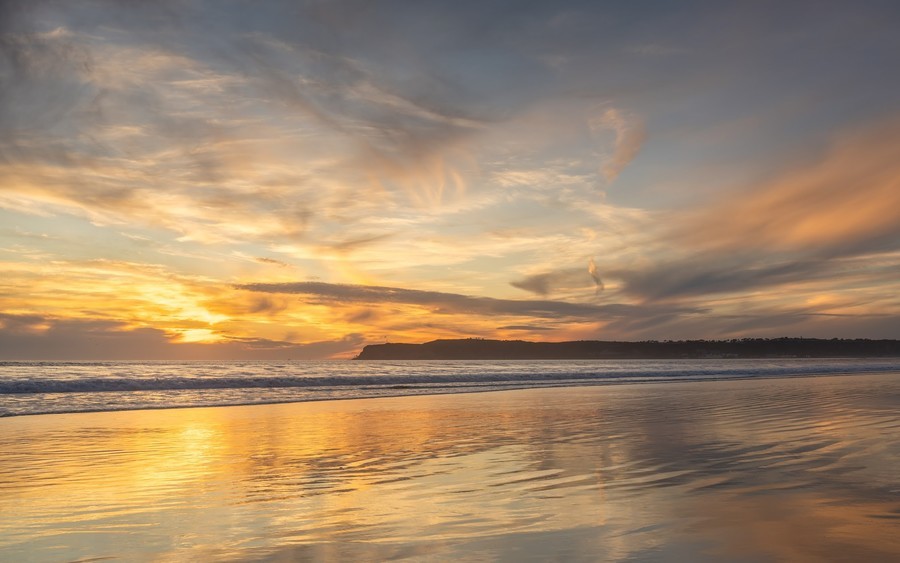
477,349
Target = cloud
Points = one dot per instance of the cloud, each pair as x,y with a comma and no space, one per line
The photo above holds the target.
845,202
453,303
263,305
629,134
348,245
712,273
168,117
595,275
382,144
29,337
274,262
809,224
558,280
528,328
244,127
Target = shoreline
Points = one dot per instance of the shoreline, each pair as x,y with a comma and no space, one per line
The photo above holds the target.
462,391
700,472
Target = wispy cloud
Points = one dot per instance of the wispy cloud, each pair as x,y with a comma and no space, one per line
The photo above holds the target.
548,282
803,225
845,202
155,155
31,337
629,134
452,303
528,328
274,262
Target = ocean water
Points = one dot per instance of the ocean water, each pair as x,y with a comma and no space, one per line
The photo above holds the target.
65,387
749,470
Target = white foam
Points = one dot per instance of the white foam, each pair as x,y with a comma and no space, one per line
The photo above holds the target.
46,387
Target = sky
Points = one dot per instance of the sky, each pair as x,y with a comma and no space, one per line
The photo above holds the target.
223,179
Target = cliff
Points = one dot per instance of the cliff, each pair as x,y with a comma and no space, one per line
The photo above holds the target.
478,349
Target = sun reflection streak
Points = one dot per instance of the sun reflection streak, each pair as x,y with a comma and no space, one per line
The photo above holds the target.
611,471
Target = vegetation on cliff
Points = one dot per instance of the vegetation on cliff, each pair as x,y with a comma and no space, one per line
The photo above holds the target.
480,349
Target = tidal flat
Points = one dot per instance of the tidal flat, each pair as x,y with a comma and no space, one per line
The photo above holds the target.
780,469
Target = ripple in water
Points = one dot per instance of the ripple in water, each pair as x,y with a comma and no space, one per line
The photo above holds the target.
775,469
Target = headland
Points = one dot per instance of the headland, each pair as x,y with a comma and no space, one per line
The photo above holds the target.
481,349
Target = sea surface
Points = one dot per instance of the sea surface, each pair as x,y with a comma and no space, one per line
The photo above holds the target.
65,387
759,469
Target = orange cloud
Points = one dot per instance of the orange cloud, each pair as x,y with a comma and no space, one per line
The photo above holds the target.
848,200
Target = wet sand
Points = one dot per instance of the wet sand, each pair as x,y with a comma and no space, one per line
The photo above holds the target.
774,470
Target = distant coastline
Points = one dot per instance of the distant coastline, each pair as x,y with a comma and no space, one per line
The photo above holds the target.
481,349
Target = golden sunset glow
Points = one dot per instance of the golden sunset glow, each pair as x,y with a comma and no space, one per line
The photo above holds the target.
202,182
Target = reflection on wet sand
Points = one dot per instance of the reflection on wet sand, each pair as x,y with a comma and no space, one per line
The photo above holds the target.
743,470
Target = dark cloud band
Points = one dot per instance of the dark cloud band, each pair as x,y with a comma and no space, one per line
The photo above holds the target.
453,303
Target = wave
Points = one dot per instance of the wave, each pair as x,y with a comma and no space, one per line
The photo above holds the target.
32,384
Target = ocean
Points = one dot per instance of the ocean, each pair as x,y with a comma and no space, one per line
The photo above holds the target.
46,387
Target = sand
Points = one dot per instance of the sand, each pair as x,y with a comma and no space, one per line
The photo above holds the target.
780,469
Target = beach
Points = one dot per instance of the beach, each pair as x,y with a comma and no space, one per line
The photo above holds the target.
786,469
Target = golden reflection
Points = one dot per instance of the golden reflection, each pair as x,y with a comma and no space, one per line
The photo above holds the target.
801,526
756,468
